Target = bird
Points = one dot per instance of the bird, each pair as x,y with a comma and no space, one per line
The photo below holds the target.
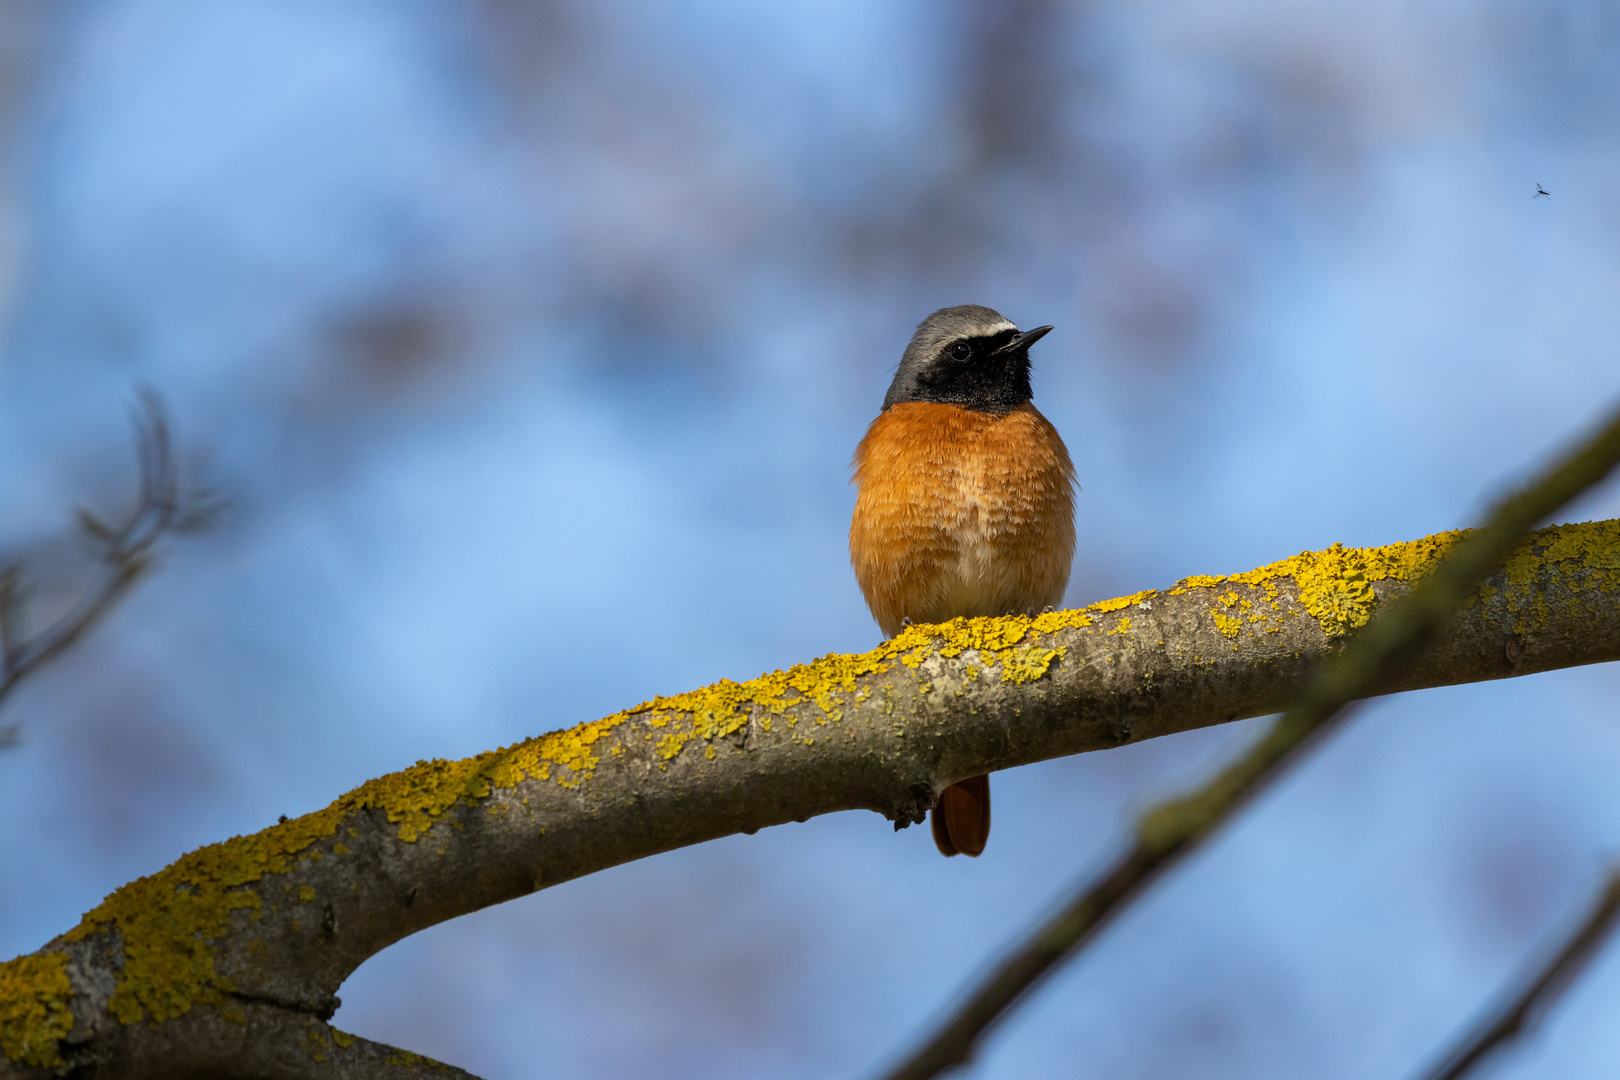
1541,193
964,503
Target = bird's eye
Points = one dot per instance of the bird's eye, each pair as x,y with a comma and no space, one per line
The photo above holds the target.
961,351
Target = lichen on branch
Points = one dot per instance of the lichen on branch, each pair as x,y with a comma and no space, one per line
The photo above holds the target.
34,1008
278,919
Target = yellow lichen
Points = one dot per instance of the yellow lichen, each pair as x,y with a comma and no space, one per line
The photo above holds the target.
1123,627
1334,585
167,921
1121,602
35,1009
317,1045
1050,622
723,708
398,1058
1405,561
305,893
1199,581
1596,544
1027,665
1334,588
1226,624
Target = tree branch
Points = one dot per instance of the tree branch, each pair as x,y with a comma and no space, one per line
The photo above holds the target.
284,915
1519,1014
260,1040
1176,827
125,551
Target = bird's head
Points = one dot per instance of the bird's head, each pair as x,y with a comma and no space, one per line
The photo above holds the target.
969,356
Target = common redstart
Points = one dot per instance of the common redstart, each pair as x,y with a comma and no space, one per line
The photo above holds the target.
965,502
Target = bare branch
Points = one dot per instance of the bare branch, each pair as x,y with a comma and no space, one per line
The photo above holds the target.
1518,1015
1176,827
12,601
124,550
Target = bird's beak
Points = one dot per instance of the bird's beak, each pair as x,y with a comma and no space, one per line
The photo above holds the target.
1021,342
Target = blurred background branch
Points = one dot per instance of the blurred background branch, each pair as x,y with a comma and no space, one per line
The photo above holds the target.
1173,829
1521,1011
125,549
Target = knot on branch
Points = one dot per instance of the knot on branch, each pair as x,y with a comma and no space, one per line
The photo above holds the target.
913,808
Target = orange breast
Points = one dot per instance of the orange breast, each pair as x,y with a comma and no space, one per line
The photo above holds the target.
961,513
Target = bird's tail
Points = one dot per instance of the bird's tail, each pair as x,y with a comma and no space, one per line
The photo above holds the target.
961,818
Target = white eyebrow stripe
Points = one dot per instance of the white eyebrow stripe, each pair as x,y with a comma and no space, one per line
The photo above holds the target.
997,328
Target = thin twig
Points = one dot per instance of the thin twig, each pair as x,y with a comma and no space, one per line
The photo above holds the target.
1518,1015
125,551
1173,828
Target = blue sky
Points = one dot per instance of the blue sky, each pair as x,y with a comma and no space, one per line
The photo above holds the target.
529,344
